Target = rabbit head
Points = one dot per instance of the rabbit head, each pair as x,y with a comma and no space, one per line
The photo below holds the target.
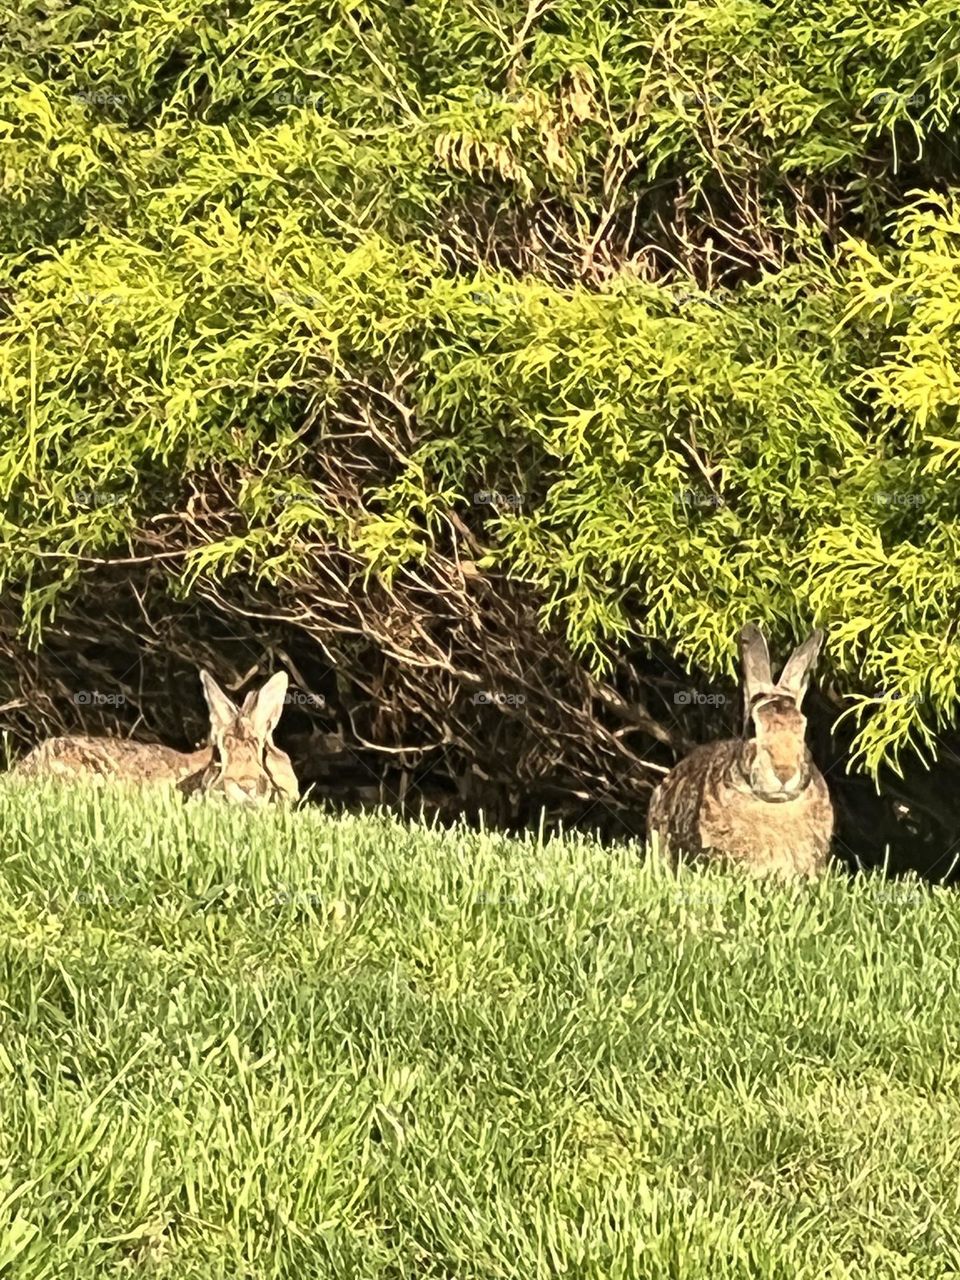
775,760
247,767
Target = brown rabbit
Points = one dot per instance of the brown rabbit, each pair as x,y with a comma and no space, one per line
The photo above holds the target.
760,801
241,762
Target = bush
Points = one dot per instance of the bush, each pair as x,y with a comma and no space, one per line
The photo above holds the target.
491,368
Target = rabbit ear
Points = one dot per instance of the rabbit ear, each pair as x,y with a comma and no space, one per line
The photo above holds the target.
755,655
795,676
265,706
281,772
222,711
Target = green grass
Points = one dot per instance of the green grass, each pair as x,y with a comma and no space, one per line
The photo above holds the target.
283,1045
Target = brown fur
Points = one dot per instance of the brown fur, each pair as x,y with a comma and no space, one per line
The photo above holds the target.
784,725
759,802
702,809
98,759
242,762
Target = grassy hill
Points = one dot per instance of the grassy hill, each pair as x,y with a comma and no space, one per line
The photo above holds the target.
290,1045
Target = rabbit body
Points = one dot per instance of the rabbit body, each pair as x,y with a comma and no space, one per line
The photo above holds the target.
704,807
110,758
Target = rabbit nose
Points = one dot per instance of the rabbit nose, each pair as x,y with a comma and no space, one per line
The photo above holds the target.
786,772
258,789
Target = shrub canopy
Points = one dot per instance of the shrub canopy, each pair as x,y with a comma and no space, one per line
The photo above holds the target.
514,355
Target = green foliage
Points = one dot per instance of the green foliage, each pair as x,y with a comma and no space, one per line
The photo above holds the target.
284,1045
218,222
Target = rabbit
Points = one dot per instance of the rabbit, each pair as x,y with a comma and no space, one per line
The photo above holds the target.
246,765
241,762
759,801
